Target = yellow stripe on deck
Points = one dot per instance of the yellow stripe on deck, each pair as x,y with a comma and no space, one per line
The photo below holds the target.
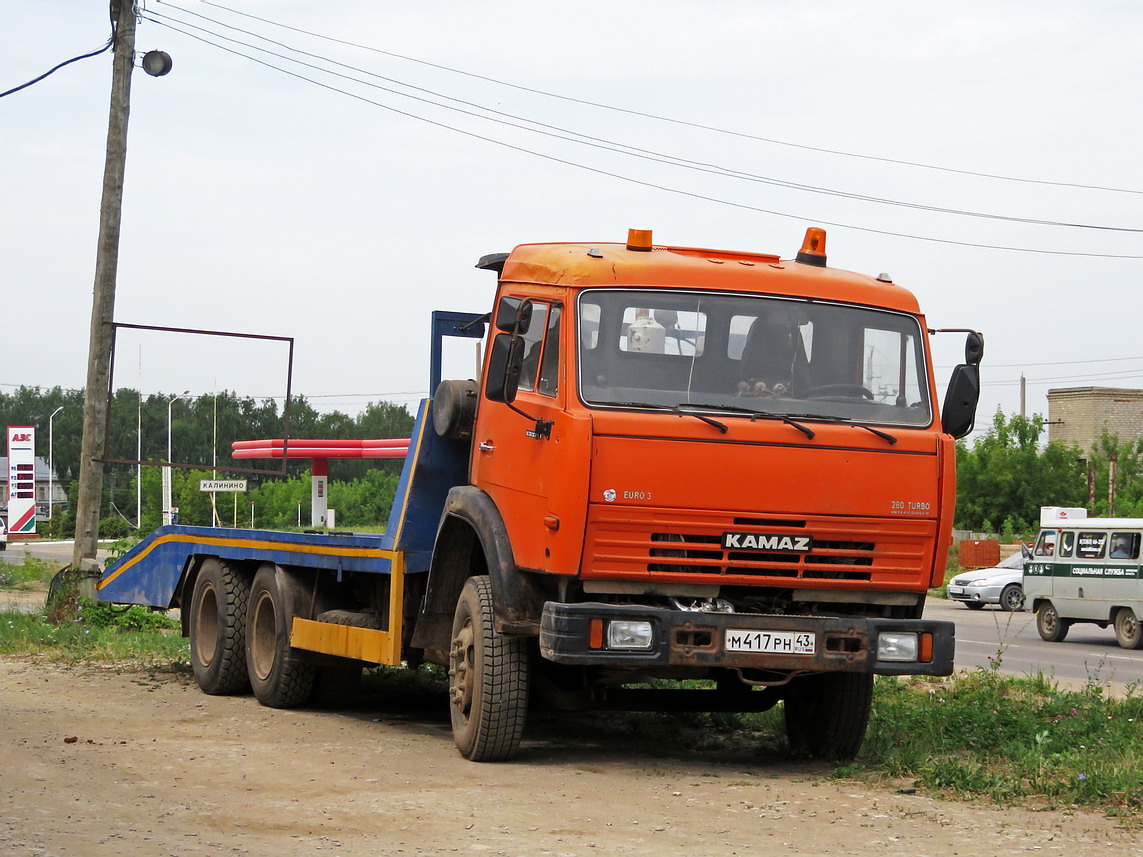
360,644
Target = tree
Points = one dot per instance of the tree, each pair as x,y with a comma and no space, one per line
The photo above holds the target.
202,431
1007,476
1128,458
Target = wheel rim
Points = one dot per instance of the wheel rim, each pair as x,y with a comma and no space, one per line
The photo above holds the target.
264,636
1048,619
1012,598
462,669
1128,626
206,625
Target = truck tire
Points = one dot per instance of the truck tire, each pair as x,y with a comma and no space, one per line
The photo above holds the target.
279,678
826,715
487,679
217,626
1128,633
1048,622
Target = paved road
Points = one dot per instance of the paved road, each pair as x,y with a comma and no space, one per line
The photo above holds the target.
1088,651
56,551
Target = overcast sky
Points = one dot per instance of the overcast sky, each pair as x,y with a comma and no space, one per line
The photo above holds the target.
259,202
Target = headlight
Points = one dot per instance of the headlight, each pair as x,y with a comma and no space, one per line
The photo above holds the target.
982,582
629,634
897,646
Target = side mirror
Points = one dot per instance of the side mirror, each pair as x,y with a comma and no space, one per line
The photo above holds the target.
513,315
504,363
974,349
959,412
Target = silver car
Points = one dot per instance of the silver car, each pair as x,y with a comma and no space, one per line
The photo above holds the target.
1003,585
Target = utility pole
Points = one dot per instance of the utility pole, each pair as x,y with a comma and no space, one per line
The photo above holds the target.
95,403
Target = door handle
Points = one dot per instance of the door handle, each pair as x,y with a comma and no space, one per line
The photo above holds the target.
487,446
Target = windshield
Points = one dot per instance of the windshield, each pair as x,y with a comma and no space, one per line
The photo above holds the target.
1014,561
741,352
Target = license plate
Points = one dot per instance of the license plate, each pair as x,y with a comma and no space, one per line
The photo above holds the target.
955,590
770,642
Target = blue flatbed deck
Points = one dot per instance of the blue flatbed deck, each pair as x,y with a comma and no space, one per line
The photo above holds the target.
150,572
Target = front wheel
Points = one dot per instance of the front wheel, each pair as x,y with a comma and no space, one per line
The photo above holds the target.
974,605
1127,631
487,679
278,677
1012,597
1048,622
826,714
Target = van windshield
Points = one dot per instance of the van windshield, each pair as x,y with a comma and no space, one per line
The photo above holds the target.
651,348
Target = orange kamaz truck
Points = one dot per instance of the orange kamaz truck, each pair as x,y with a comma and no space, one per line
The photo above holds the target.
678,464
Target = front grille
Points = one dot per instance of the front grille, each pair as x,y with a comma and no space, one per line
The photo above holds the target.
642,543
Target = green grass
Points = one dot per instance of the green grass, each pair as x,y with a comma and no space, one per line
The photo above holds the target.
90,631
99,633
20,571
1008,740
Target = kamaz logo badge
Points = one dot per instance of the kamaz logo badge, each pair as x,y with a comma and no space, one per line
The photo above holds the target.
767,542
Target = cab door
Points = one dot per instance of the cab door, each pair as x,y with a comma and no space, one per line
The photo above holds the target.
532,455
1041,568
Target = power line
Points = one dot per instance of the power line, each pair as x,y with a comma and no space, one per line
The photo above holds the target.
658,118
629,179
599,142
110,42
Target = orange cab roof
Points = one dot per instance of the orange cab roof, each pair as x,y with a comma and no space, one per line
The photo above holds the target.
589,265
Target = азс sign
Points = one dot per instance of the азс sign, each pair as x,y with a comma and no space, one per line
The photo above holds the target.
21,479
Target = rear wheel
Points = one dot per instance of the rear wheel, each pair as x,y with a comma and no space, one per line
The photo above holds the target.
1048,622
826,714
279,678
487,679
218,628
1127,631
1012,597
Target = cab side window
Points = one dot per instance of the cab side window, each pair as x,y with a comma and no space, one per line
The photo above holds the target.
1046,546
533,346
540,371
1067,543
550,365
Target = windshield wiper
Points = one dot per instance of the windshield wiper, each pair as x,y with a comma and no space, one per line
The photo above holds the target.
711,421
753,414
847,421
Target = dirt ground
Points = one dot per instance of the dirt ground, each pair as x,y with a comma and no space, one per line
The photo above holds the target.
101,762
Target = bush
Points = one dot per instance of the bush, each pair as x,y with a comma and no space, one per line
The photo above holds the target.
99,614
115,527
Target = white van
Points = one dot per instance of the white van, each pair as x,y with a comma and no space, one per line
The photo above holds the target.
1087,570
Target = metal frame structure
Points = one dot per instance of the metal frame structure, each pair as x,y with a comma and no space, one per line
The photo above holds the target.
106,457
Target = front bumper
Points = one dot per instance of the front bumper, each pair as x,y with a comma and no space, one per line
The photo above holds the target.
697,639
979,594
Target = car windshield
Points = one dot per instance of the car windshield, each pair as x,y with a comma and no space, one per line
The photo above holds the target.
744,353
1014,561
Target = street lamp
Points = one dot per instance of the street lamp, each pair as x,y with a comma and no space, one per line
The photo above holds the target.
167,469
51,462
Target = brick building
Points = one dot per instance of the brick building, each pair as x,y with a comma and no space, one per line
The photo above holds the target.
1078,415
